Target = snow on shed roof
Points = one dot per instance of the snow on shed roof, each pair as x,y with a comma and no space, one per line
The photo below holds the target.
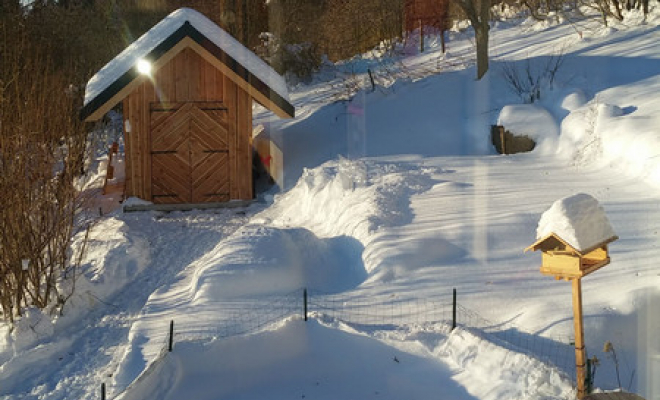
579,220
121,70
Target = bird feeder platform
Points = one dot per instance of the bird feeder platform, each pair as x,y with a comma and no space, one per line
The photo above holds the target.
564,261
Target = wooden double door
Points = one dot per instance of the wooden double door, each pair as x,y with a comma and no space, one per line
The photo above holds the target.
190,152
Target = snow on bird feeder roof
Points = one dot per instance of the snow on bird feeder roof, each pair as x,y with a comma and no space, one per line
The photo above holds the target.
573,235
579,220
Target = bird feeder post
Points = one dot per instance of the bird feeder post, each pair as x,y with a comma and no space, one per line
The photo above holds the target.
574,254
580,352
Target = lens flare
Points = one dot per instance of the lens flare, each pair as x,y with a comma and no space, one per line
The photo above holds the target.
144,67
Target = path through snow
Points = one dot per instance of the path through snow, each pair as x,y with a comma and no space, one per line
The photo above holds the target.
75,367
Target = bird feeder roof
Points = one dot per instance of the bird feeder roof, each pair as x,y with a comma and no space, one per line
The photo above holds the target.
577,221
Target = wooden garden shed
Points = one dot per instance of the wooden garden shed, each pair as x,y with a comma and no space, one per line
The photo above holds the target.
186,89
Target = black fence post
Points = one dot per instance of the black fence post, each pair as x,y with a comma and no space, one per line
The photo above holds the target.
305,304
453,311
103,391
171,341
371,78
587,384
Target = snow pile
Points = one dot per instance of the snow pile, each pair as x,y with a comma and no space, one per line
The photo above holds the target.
574,100
350,198
129,58
253,262
326,360
260,260
33,326
295,360
492,372
530,120
582,133
579,220
112,258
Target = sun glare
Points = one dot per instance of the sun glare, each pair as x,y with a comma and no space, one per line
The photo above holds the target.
144,66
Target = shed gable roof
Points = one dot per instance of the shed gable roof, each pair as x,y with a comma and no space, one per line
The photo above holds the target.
185,28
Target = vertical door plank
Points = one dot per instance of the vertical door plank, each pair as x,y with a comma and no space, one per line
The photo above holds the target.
244,151
229,94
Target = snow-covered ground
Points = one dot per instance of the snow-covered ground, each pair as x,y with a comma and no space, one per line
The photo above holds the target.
391,196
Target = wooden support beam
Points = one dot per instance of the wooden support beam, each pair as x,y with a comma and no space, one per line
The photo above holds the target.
580,353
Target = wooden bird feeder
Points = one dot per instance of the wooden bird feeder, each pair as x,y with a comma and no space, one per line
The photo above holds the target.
582,250
564,261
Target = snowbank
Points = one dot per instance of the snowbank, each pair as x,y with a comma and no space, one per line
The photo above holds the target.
351,198
582,134
112,258
253,262
296,359
530,120
492,372
262,260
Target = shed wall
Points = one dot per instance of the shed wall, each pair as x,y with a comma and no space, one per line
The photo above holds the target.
187,78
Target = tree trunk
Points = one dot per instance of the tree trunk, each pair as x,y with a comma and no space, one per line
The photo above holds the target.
478,12
645,7
617,10
481,36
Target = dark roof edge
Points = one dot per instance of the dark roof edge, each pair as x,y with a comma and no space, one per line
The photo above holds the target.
187,30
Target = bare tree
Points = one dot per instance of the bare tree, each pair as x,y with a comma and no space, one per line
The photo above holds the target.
478,12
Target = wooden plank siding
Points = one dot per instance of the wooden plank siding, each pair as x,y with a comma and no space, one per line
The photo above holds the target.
244,153
188,78
229,95
148,96
129,191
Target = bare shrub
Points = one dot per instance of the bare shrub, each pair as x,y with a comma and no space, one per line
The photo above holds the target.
528,78
352,27
42,146
606,8
300,60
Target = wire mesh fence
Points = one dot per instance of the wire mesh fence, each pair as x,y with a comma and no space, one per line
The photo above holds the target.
246,316
381,311
557,350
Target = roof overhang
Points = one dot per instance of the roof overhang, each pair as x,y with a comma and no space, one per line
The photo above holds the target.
581,252
187,36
